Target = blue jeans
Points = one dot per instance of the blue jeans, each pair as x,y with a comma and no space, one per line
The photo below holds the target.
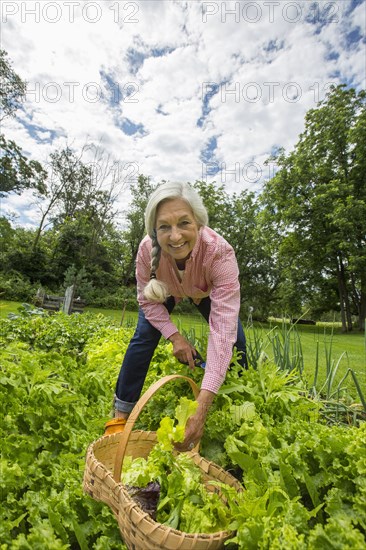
141,350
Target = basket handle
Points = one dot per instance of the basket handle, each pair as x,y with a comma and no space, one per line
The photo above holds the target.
121,449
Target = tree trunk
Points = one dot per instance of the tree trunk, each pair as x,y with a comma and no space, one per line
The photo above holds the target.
343,296
346,297
359,299
341,302
39,231
362,310
355,295
53,200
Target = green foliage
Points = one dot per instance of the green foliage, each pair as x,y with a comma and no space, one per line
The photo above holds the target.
57,380
17,172
316,207
27,310
20,261
135,230
304,479
53,404
13,88
237,218
169,433
17,287
296,470
122,298
79,205
61,332
83,287
286,345
77,191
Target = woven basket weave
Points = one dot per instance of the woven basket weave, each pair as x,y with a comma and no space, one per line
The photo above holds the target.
102,482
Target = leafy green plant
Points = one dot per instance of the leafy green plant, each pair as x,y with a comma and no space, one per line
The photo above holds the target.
184,501
15,286
338,405
47,422
68,333
286,346
27,310
255,346
295,482
283,345
303,474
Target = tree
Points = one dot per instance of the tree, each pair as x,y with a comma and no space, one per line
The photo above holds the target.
64,172
79,189
76,244
318,200
13,88
16,171
17,255
253,244
237,218
216,200
79,206
135,222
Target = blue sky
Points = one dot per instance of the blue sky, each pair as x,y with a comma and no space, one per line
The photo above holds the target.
176,90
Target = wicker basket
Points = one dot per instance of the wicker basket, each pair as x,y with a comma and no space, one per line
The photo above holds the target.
102,482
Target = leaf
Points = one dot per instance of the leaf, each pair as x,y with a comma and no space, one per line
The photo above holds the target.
56,522
184,410
288,481
311,487
230,388
164,434
245,461
147,497
80,535
173,520
16,522
167,434
244,412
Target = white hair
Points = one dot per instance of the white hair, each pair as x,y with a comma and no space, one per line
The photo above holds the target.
155,290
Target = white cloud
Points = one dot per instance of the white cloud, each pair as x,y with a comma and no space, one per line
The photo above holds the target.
79,67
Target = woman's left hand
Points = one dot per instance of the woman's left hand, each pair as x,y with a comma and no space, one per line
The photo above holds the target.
196,423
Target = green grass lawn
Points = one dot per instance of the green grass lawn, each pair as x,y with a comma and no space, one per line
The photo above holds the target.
326,340
8,307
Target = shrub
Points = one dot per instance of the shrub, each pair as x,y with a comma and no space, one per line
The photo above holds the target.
123,296
17,287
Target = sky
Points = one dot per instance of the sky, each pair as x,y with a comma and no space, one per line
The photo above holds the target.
175,90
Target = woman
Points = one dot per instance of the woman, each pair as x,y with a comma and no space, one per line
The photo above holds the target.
181,257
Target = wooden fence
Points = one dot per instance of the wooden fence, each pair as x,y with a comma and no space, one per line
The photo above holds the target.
67,303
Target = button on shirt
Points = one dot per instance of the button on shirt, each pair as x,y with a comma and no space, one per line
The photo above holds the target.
211,270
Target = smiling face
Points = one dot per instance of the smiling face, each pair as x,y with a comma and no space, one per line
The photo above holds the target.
176,229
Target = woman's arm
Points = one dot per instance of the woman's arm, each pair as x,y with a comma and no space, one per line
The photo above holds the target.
225,306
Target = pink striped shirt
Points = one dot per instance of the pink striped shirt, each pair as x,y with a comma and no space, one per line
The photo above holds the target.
211,270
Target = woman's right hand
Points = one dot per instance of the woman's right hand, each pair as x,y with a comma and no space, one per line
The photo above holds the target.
183,350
